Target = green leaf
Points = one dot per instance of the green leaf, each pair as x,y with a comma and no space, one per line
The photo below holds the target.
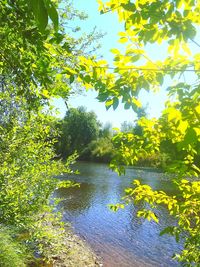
135,58
59,38
167,230
115,51
103,96
53,14
127,105
136,182
115,102
190,137
123,40
71,78
109,103
87,79
40,13
129,7
190,31
160,78
154,217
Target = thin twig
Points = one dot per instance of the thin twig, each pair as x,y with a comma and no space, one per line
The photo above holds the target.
195,42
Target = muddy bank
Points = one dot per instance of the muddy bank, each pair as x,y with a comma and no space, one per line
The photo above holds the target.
79,254
63,249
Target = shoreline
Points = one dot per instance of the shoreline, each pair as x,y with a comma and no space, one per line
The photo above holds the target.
80,253
76,251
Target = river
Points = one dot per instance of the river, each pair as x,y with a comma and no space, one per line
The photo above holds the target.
120,239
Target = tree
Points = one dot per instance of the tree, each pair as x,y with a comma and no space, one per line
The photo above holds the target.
106,130
42,60
39,60
78,129
100,149
127,127
174,25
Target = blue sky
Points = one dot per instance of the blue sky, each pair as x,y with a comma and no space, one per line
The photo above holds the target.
109,23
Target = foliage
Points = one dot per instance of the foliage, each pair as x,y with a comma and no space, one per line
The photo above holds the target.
106,130
12,253
82,132
27,180
100,150
39,60
78,129
184,207
48,235
157,159
27,169
171,26
127,127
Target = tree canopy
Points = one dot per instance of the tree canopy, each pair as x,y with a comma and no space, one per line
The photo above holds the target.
38,61
173,24
78,129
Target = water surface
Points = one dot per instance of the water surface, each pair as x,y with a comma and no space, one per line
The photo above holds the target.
120,239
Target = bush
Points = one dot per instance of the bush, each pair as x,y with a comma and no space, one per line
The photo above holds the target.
100,150
12,252
157,160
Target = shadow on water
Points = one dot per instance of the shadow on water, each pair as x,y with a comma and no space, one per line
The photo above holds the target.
72,197
120,238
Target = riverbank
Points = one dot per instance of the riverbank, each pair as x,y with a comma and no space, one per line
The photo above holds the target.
79,254
66,249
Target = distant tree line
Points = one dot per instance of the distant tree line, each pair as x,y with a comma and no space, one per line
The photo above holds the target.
82,132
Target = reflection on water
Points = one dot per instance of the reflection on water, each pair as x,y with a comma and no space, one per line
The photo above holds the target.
121,239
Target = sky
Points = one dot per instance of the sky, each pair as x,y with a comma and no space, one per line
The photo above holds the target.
109,23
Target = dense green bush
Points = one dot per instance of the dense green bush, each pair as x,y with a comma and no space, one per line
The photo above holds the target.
37,64
156,160
100,150
12,252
